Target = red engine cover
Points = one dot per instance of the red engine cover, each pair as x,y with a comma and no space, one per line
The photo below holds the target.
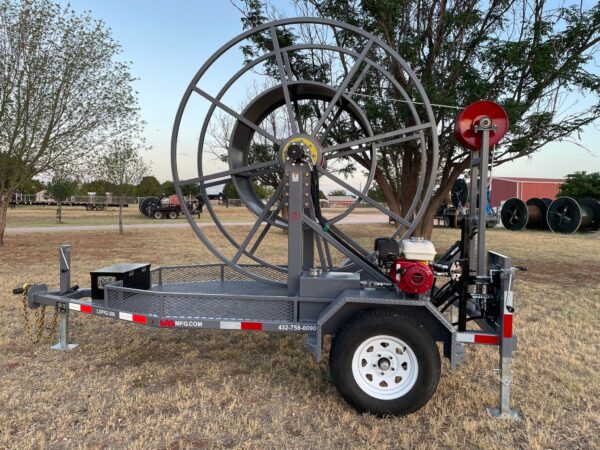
412,277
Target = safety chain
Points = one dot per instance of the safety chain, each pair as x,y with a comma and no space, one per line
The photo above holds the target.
36,330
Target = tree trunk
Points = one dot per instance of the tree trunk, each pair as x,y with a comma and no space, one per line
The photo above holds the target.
387,191
5,201
121,214
59,213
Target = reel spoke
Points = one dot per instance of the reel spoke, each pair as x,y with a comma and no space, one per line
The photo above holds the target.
345,82
259,220
239,117
378,137
227,173
364,197
284,82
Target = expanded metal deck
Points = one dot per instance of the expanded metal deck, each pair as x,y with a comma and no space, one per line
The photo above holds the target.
204,292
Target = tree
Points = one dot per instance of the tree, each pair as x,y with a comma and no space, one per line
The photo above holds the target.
122,165
59,190
230,191
167,188
581,184
376,194
32,187
524,54
148,187
100,187
61,91
338,193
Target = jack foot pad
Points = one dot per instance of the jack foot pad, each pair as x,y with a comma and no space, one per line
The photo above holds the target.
60,346
511,414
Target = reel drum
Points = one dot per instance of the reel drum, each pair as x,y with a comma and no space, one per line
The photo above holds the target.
326,115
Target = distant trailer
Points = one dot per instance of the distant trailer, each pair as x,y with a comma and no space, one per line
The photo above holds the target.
88,205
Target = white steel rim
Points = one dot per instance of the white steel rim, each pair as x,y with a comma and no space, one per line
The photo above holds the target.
385,367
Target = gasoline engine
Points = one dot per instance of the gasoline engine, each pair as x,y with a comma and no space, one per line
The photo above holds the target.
407,264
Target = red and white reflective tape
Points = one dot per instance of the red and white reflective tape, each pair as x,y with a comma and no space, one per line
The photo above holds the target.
133,317
81,308
507,328
211,324
478,338
256,326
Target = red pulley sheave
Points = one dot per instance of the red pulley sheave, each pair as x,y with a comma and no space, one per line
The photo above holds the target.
464,126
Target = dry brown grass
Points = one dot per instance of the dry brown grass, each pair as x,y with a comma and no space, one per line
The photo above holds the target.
136,387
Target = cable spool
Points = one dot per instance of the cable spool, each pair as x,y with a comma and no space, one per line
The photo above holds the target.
547,201
144,204
459,193
514,214
566,215
537,210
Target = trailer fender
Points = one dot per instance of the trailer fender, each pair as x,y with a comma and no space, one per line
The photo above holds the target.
345,308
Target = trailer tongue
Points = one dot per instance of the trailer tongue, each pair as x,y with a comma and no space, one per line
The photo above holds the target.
381,307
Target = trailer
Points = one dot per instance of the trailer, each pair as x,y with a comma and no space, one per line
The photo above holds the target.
90,203
156,208
383,304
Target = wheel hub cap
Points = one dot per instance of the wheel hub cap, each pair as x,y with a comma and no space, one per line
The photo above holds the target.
385,367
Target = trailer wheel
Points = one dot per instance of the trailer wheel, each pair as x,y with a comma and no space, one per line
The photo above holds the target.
157,214
384,363
173,215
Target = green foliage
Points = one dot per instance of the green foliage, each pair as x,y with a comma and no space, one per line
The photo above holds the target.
322,195
60,189
581,184
121,164
100,187
230,191
167,188
32,187
148,187
338,193
376,194
62,90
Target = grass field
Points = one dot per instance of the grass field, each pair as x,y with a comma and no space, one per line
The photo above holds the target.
136,387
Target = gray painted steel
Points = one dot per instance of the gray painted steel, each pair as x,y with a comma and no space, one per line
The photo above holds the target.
251,117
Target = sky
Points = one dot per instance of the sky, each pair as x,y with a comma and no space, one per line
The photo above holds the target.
168,41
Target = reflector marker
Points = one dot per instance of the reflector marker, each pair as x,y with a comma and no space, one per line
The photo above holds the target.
255,326
507,329
81,308
133,317
478,338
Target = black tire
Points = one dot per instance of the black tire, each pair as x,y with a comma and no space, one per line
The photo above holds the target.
366,328
158,214
172,214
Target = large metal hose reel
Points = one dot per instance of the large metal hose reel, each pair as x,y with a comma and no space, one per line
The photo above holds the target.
341,97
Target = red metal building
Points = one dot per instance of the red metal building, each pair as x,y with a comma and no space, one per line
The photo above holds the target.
504,188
